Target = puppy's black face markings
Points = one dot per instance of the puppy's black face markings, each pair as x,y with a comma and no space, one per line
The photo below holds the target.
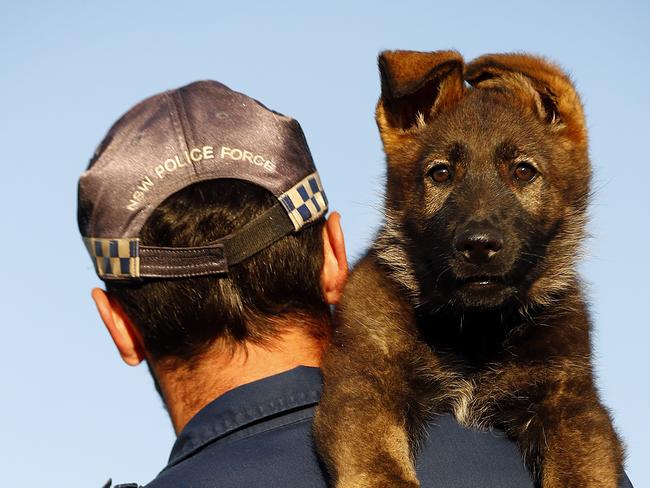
481,208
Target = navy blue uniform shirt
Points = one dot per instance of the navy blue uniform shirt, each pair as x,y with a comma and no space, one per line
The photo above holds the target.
259,435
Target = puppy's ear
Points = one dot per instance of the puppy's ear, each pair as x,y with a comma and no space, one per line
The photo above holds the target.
540,85
415,86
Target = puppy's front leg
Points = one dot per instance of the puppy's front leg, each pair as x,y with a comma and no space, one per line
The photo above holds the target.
364,442
581,447
364,422
569,442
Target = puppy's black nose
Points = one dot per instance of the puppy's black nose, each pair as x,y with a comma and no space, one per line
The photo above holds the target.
478,243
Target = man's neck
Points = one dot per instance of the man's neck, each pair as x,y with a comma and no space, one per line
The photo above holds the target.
186,390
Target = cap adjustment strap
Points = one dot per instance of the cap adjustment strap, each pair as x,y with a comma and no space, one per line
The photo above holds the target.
258,234
178,262
124,259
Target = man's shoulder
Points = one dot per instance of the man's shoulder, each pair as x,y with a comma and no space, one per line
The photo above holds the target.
454,456
278,457
261,435
451,456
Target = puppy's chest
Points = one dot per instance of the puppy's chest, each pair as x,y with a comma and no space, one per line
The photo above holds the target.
462,400
470,398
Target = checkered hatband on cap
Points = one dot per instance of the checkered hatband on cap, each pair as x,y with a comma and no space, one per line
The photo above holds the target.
306,201
115,258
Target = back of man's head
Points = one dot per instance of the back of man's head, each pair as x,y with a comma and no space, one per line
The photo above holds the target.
254,302
203,214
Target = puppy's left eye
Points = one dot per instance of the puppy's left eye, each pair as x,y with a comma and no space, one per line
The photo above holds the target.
440,173
525,172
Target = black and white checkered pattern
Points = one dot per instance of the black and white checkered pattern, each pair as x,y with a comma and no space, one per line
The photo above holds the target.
115,258
306,201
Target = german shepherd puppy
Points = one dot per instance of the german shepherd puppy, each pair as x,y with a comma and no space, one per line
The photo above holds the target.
469,302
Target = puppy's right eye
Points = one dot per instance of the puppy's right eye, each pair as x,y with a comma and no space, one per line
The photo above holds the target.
525,172
440,173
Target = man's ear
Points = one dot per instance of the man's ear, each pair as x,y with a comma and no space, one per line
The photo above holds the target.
539,85
120,327
335,263
414,87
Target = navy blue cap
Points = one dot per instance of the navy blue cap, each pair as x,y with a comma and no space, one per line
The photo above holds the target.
198,132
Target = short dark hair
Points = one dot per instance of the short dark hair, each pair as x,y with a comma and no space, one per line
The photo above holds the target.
181,318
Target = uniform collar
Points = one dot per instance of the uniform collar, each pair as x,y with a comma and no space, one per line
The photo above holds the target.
245,405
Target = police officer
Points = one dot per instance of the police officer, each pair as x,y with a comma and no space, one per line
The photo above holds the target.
205,217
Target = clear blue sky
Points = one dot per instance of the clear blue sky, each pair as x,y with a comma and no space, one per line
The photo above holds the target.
72,413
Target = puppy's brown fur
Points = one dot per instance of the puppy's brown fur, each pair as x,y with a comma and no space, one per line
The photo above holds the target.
468,302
